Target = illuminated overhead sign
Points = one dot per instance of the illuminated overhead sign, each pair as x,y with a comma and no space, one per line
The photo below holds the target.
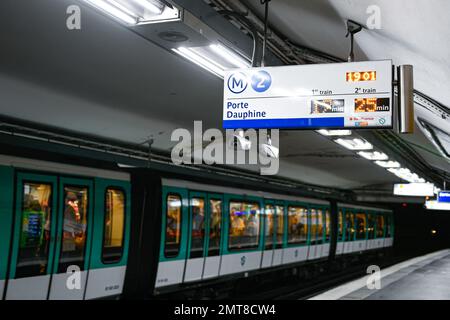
414,189
444,196
314,96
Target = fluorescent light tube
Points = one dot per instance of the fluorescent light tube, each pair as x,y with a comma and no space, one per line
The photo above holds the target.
229,56
388,164
354,144
406,174
376,155
329,133
114,9
151,5
206,64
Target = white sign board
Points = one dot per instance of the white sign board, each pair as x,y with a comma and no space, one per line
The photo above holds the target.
336,95
414,189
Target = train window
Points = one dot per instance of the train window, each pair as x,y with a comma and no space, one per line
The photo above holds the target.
297,225
388,226
244,225
380,226
114,228
198,227
371,226
280,226
269,213
360,226
215,223
173,226
340,225
327,226
73,244
350,226
35,230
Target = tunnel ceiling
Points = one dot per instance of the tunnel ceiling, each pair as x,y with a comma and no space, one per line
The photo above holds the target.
108,81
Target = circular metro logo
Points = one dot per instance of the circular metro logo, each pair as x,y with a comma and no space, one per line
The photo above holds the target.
237,82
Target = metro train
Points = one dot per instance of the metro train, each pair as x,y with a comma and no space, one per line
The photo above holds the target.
84,232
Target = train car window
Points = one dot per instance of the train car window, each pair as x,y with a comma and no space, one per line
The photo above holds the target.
269,214
173,226
297,225
350,226
73,243
35,230
361,226
327,226
280,226
371,226
319,236
380,226
341,225
388,226
114,225
215,223
244,225
197,206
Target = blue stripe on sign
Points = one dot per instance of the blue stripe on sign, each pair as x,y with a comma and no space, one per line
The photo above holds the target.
284,123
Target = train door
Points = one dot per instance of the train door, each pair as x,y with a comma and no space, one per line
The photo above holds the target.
280,234
327,231
361,231
73,239
172,253
269,229
33,237
196,237
340,235
110,238
313,223
51,238
214,227
320,237
379,230
349,230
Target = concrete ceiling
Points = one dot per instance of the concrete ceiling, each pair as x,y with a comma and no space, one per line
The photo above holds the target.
108,81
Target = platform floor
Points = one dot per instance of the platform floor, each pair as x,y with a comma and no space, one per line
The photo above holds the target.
422,278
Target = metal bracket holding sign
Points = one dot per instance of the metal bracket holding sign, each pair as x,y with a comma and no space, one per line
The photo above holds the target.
317,96
405,98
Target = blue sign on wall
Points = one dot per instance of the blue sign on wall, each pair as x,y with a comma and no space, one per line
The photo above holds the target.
444,196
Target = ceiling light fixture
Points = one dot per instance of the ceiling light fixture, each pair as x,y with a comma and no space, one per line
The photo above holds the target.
136,12
406,174
331,133
354,144
388,164
214,58
375,155
229,56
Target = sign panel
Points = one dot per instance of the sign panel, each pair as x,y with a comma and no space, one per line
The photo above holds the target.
336,95
444,196
436,205
414,189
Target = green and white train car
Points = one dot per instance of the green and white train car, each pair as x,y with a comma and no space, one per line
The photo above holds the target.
58,219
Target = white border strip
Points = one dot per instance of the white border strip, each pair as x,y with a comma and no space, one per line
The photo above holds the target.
341,291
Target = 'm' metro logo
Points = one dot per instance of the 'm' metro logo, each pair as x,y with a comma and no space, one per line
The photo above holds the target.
237,82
